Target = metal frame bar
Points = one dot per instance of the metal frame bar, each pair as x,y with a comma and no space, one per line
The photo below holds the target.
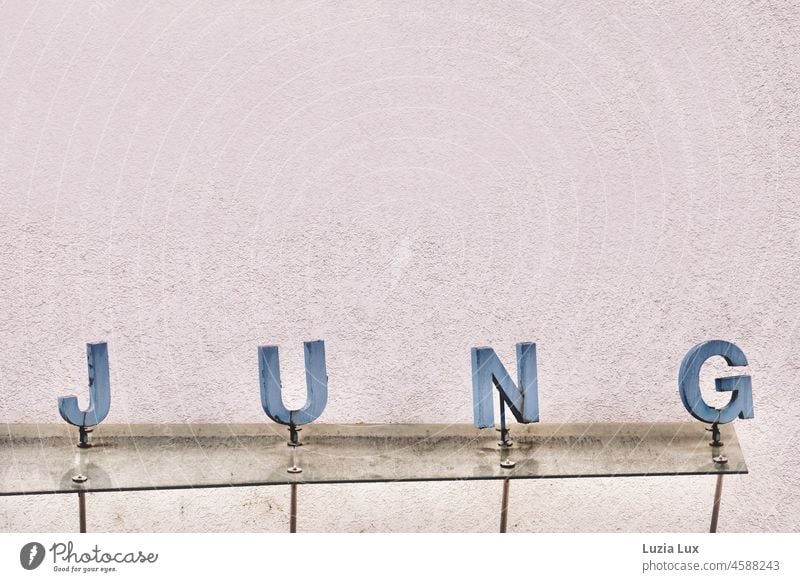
82,511
293,508
504,506
504,501
715,508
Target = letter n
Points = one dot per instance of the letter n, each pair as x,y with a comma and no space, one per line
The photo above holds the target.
487,370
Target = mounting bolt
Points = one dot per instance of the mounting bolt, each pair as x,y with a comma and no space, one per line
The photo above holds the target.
505,437
83,432
79,478
294,436
508,464
721,459
715,435
294,469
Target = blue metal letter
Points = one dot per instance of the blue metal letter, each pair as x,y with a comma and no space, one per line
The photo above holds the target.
99,393
487,370
316,385
740,387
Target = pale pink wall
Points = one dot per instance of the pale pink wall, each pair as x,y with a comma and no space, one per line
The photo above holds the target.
616,181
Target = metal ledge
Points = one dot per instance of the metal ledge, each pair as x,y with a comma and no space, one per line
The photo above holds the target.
43,459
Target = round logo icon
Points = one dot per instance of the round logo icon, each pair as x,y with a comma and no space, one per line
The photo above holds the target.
31,555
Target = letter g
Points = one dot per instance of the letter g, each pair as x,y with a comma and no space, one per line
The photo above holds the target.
740,387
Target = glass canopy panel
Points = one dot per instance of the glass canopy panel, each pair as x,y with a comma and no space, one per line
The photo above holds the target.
40,459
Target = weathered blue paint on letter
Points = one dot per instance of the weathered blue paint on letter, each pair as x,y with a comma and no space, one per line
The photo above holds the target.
316,385
99,391
740,387
487,370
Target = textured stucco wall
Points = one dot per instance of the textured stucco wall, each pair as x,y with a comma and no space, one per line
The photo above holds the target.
614,180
